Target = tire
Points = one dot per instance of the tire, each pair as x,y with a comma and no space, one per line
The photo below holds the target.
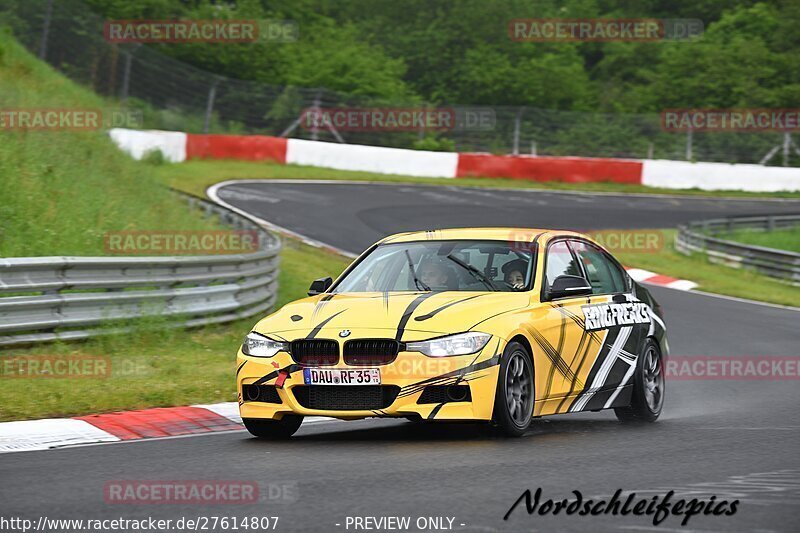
647,399
273,429
513,403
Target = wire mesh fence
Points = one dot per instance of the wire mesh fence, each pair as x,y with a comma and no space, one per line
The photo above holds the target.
174,95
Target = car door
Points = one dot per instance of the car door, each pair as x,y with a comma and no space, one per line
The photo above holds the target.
558,331
622,322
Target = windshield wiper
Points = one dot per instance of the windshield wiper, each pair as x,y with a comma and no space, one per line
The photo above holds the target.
477,274
420,285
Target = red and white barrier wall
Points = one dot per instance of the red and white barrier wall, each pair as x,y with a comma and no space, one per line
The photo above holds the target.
178,147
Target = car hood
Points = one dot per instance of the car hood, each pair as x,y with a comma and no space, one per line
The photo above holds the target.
433,312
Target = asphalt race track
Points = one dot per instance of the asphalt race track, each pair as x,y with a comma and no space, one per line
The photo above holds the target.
732,439
351,216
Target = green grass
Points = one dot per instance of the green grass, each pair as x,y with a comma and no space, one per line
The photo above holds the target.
63,190
151,367
712,277
196,176
783,239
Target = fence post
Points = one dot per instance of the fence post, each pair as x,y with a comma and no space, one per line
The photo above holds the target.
315,130
48,14
787,143
689,145
517,120
212,94
126,76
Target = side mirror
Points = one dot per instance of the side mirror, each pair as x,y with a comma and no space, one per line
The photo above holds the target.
564,286
318,286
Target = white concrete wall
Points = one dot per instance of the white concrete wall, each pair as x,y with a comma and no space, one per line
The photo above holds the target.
719,176
372,159
137,143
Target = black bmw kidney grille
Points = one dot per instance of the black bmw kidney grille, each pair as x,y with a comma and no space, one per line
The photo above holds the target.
315,352
346,398
365,352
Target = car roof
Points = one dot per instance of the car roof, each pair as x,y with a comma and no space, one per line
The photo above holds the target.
488,234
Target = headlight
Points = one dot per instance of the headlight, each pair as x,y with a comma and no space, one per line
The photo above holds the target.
461,344
258,345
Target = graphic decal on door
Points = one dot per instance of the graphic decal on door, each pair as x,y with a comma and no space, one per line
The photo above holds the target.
609,315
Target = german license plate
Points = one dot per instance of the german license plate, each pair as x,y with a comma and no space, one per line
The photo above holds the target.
336,376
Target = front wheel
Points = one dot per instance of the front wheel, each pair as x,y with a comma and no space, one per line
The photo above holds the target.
273,429
513,404
647,398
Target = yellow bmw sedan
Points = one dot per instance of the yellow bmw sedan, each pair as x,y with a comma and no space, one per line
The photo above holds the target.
499,325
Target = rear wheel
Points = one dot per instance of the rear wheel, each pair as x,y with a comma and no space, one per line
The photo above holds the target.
273,429
647,399
513,404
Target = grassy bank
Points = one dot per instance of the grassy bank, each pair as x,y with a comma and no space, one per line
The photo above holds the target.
63,190
784,239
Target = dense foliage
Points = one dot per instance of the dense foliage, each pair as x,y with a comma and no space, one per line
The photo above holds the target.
460,51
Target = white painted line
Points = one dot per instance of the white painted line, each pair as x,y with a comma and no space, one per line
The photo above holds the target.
213,194
682,285
229,410
639,274
439,182
48,433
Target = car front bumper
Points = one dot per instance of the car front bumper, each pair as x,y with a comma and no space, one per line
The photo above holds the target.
404,381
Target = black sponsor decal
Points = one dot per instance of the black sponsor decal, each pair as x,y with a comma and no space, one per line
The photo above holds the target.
603,316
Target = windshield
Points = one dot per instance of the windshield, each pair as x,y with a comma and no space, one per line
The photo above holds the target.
440,266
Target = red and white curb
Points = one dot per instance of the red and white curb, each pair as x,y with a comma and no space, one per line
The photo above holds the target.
645,276
159,422
178,146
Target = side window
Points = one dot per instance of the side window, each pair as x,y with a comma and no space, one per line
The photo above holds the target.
560,262
604,276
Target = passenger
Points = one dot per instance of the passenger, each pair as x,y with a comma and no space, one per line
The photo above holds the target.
514,273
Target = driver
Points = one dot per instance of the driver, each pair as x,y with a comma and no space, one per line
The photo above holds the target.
433,274
514,273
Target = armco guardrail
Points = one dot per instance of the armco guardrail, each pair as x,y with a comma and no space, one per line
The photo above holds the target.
77,297
701,237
